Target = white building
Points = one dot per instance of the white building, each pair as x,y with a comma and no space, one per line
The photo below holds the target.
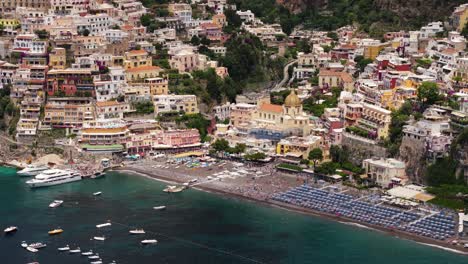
384,172
431,29
246,16
110,86
168,103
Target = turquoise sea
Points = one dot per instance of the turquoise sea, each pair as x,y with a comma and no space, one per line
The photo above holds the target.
197,227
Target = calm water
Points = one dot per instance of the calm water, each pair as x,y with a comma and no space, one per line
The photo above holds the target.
197,227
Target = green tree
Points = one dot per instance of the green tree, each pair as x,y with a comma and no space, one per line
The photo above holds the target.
2,28
42,34
205,41
428,93
145,20
220,145
255,156
332,35
315,155
195,41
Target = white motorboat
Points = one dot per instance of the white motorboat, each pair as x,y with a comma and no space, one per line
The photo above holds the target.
65,248
54,177
162,207
97,193
24,244
32,170
76,250
98,174
96,262
87,253
99,238
33,250
10,229
465,246
94,256
103,225
55,203
37,245
149,241
137,231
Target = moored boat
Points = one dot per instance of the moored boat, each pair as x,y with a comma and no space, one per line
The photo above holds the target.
10,229
162,207
103,225
76,250
137,231
97,175
65,248
97,193
24,244
54,177
94,256
32,170
87,253
96,262
149,241
99,238
55,203
31,249
37,245
55,232
174,189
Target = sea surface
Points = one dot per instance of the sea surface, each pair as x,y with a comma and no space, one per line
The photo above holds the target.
197,227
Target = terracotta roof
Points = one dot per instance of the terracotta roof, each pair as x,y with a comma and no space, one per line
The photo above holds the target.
346,77
144,68
107,103
449,51
104,130
271,108
329,73
136,52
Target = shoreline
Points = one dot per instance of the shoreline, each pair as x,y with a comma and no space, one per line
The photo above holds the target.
343,220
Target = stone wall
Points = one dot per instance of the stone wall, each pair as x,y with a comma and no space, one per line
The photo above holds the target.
362,148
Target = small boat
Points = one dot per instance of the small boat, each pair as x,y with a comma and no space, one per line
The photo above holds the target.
103,225
137,231
65,248
55,203
76,250
174,189
465,246
33,250
94,256
96,262
99,238
87,253
24,244
10,229
98,174
55,232
162,207
97,193
37,245
149,241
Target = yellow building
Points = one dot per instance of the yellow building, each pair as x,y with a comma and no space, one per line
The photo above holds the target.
158,85
137,58
9,24
58,58
329,78
298,146
141,73
69,115
219,20
373,50
459,17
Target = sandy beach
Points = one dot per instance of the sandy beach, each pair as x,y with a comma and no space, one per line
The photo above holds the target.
265,187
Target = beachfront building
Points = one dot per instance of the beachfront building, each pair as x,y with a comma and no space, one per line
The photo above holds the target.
172,102
298,146
162,141
99,139
385,172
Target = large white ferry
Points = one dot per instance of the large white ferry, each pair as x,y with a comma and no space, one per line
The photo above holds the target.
54,177
32,170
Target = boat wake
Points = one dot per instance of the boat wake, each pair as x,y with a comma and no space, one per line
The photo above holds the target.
444,248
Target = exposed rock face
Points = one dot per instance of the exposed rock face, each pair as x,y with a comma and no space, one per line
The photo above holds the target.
412,153
362,148
297,6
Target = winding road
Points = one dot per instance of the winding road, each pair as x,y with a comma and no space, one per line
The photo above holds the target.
285,75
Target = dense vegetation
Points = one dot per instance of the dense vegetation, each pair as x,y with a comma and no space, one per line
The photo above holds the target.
372,17
9,112
196,121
